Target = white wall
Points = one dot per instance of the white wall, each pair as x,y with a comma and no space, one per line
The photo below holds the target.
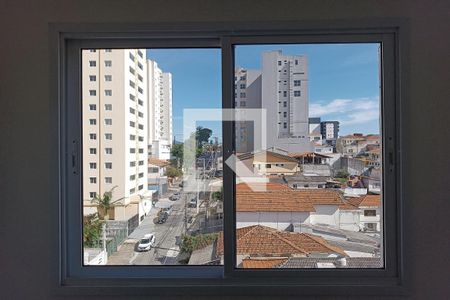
325,214
277,220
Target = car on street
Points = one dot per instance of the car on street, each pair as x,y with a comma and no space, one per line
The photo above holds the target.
192,203
161,218
147,242
175,197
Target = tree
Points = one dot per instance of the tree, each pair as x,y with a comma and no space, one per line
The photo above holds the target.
173,172
217,195
105,203
177,152
202,135
92,230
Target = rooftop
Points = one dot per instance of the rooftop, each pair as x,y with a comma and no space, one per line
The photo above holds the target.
158,162
366,200
264,241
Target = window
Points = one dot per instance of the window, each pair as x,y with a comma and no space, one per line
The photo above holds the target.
108,63
92,63
141,175
92,194
108,136
242,95
108,150
108,106
108,121
92,92
92,136
297,82
108,179
132,84
132,137
284,93
299,131
92,121
132,97
92,165
132,163
108,50
140,126
92,78
132,110
108,77
92,107
132,177
296,93
132,150
131,56
108,92
242,86
108,165
93,179
92,50
370,213
141,162
140,187
92,151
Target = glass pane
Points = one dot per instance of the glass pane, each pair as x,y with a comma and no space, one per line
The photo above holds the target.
308,176
146,199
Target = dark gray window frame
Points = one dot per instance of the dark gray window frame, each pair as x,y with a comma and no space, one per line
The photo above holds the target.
72,278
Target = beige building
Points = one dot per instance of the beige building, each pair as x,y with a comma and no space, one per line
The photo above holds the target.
115,120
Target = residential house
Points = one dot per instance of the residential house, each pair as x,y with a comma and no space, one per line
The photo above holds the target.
267,163
264,242
157,179
370,211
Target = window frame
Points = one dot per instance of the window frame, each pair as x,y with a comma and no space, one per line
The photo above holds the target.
73,278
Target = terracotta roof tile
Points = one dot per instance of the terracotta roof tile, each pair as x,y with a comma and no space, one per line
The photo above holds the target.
366,200
262,263
158,162
264,241
286,200
261,186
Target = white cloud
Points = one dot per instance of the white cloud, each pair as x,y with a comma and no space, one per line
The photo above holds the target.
347,111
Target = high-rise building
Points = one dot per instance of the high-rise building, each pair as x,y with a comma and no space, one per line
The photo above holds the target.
329,131
115,120
160,133
282,85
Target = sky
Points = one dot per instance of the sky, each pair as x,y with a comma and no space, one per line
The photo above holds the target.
343,81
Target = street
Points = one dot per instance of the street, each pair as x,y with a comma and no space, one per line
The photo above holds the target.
167,235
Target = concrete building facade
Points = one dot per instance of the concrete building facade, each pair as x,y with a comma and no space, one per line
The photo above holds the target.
160,133
280,87
115,124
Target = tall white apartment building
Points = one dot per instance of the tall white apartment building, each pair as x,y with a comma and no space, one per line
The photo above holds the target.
160,133
283,93
115,120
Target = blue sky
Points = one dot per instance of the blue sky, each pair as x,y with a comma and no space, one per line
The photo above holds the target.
343,81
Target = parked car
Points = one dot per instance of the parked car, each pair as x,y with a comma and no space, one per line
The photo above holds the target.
168,209
147,242
161,217
192,203
175,197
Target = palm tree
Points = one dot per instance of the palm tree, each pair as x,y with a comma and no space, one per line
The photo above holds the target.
105,203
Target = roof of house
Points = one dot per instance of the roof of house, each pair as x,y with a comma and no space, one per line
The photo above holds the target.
372,137
264,241
158,162
267,156
307,154
350,262
366,200
262,262
286,200
261,186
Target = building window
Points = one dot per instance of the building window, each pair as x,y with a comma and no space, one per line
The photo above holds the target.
92,179
108,106
141,150
284,104
108,77
92,194
268,166
92,50
140,187
132,84
284,93
92,151
242,86
132,97
141,162
108,121
108,150
296,93
132,191
131,56
285,114
132,177
297,82
108,165
132,150
92,136
108,179
92,122
140,66
141,175
242,95
92,63
108,92
108,136
132,110
242,104
284,125
279,62
108,63
92,78
132,124
132,137
92,165
140,90
296,61
92,92
370,213
132,163
141,126
108,50
140,114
